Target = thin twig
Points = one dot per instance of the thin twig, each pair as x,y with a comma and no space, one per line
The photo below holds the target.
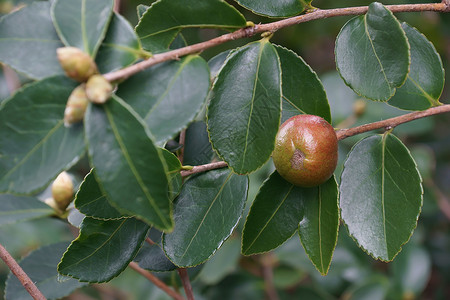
186,283
155,281
117,6
182,142
11,78
20,274
267,262
269,27
204,168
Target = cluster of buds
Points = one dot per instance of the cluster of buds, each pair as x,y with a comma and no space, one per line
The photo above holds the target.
80,66
62,193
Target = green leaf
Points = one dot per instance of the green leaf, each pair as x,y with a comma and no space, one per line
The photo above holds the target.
152,257
127,164
197,148
173,173
216,63
319,227
120,48
303,93
92,202
372,53
270,8
243,118
40,266
141,9
103,249
381,195
34,144
82,23
15,209
170,93
275,214
206,212
161,23
425,82
28,41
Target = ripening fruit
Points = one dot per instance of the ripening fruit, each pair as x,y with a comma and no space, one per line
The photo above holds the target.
98,89
77,64
62,190
306,150
76,106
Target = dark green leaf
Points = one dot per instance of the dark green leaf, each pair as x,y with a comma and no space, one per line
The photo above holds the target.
272,8
28,41
127,164
244,112
319,227
120,48
372,53
141,9
425,82
173,173
207,210
103,249
381,195
40,266
82,23
274,215
152,257
34,144
15,209
161,23
216,63
171,94
197,148
373,288
303,93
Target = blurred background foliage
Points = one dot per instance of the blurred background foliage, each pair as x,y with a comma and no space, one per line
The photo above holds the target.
420,271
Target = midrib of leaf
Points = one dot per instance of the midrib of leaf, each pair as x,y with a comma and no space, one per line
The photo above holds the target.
382,189
433,102
206,214
9,212
270,219
83,27
291,103
92,201
135,52
132,166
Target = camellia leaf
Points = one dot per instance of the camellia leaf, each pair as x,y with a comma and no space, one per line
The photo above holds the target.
36,147
120,48
243,119
275,214
40,266
152,257
206,211
82,23
141,9
425,82
128,166
319,227
372,53
271,8
303,93
161,23
171,94
197,148
216,63
381,195
28,41
15,209
103,249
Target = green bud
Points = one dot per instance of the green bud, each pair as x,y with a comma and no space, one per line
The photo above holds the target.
77,64
98,89
76,105
62,190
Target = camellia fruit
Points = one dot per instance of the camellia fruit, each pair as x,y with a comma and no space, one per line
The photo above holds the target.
306,150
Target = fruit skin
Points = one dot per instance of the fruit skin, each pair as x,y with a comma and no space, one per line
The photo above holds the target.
98,89
76,106
77,64
62,190
306,150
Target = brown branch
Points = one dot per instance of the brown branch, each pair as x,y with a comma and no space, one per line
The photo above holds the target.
267,262
269,27
20,274
182,141
156,281
186,283
204,168
392,122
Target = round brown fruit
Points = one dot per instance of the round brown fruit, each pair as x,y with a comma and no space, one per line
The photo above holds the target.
306,150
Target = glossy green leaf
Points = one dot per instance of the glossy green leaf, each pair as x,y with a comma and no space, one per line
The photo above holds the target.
303,93
128,166
275,214
197,148
82,23
373,288
381,195
161,23
170,93
243,118
272,8
141,9
372,53
216,63
103,249
173,173
206,211
319,227
40,266
152,257
92,202
15,209
34,144
120,48
28,41
425,82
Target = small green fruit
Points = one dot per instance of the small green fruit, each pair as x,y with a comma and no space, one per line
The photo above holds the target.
76,106
306,150
98,89
62,190
77,64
